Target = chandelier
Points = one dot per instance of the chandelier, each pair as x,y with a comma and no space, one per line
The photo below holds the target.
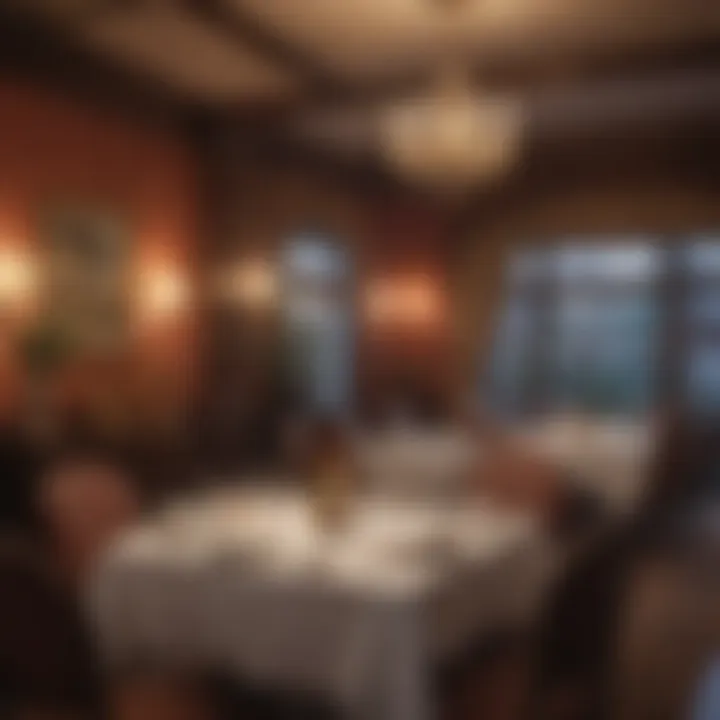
452,139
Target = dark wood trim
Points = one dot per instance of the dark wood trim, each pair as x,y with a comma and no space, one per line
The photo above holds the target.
248,31
43,54
264,140
544,68
323,85
46,55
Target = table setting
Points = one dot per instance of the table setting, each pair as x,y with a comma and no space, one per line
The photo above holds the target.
250,579
249,584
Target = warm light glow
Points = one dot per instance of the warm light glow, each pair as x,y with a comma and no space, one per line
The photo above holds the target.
380,302
166,294
16,278
414,301
252,283
451,138
420,302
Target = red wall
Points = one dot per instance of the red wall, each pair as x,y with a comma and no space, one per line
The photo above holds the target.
409,243
55,149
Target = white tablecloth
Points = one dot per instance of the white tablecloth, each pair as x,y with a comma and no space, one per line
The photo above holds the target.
407,463
239,580
610,458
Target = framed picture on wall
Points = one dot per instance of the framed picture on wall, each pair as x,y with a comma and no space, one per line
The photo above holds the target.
86,283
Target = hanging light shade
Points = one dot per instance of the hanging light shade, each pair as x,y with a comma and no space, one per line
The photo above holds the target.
452,138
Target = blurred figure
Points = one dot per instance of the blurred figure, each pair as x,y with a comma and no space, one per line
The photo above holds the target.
84,503
516,476
577,661
21,464
668,633
47,667
74,510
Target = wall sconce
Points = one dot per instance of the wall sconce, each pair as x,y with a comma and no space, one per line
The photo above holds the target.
404,302
17,280
165,295
420,302
252,284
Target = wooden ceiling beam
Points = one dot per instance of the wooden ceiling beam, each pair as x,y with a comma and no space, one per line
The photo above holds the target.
527,73
249,32
524,75
42,53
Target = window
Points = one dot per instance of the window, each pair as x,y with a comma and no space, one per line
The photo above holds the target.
610,327
318,323
701,322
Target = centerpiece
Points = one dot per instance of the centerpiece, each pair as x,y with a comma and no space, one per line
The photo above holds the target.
330,478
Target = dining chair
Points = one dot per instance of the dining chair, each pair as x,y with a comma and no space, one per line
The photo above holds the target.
667,639
85,504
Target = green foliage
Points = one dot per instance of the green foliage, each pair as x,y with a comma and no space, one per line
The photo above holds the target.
45,349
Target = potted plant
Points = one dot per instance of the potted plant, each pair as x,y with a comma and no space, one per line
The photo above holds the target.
45,351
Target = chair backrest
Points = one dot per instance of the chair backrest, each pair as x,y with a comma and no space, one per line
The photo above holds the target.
609,458
84,504
669,632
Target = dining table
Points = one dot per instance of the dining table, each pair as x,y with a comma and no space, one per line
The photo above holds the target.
243,579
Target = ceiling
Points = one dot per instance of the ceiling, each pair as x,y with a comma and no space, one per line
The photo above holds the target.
233,50
362,39
307,55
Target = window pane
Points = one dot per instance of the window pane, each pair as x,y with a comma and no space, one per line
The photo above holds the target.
618,263
319,324
702,255
704,308
590,332
509,371
602,359
603,349
313,258
585,336
703,377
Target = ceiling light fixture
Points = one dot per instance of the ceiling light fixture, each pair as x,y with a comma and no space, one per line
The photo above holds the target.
451,139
